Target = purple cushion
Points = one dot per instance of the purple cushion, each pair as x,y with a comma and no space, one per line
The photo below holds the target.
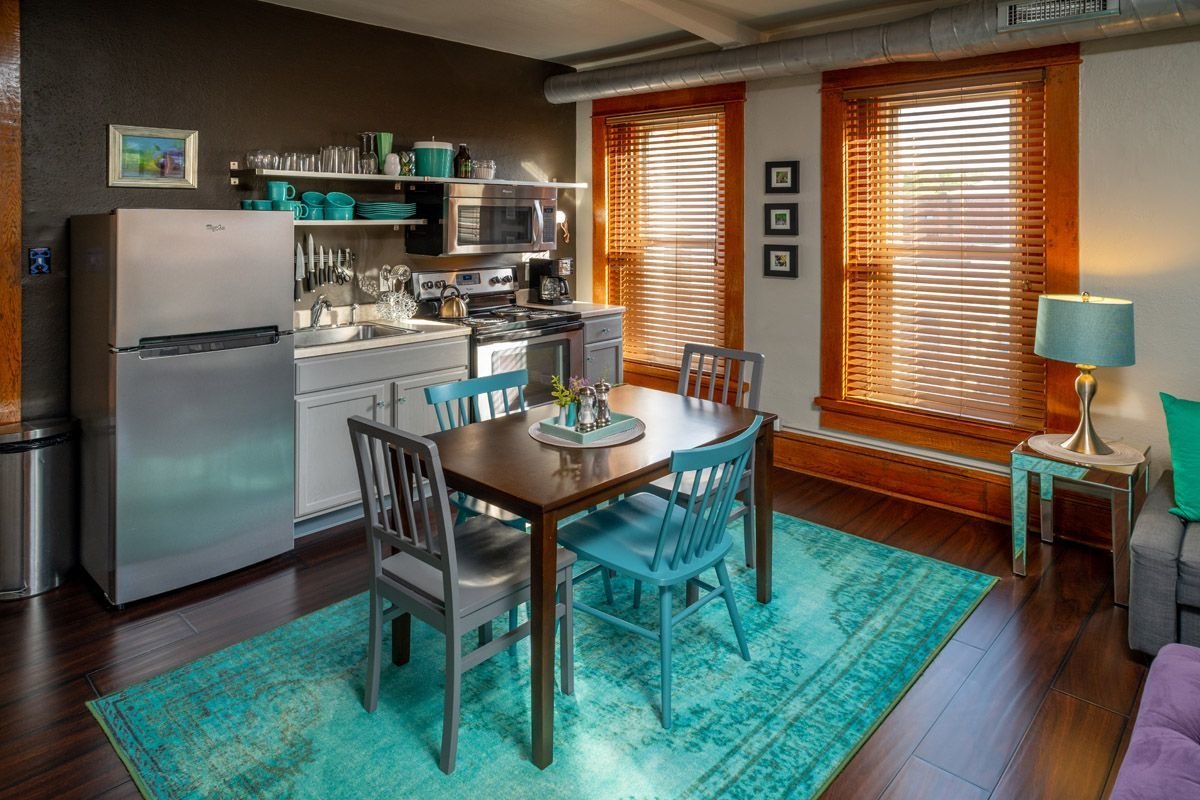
1163,760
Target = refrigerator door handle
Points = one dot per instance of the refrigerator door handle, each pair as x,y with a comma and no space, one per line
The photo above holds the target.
208,343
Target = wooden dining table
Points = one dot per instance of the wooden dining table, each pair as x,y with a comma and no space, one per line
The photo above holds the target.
497,461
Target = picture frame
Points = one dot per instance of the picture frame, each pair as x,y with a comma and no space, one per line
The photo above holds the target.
779,261
781,177
779,219
162,158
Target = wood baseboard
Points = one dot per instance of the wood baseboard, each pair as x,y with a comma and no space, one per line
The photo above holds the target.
1080,515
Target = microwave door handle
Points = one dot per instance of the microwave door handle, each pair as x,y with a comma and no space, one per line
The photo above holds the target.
537,225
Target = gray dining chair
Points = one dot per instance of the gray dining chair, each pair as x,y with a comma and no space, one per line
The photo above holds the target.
725,376
455,578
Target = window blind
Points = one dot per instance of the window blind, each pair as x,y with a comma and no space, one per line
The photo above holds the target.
666,230
945,248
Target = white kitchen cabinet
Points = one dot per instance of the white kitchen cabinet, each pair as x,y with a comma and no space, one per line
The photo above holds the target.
325,474
383,384
603,349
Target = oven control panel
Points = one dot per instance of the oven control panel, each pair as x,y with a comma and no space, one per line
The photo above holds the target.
492,280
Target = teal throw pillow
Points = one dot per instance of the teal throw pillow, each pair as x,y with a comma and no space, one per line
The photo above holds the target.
1183,431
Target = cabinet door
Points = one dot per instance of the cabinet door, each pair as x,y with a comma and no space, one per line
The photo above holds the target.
603,361
411,412
325,474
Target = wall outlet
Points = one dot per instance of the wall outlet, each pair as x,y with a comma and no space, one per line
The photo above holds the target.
39,261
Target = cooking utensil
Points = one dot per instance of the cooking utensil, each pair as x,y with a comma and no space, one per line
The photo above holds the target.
454,306
312,260
299,272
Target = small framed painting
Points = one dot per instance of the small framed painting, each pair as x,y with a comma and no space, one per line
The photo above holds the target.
781,177
779,219
152,157
779,261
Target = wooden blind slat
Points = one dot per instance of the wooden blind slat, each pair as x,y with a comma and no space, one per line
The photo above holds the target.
945,247
665,229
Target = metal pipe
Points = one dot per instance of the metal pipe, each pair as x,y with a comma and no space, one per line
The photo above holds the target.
961,31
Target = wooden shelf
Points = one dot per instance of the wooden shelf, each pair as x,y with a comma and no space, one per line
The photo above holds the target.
395,223
237,175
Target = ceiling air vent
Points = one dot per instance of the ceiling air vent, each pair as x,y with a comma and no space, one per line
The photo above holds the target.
1030,13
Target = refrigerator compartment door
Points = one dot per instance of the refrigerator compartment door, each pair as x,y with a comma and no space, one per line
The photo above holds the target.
204,462
181,272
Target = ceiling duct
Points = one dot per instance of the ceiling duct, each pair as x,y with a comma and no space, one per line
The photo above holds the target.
970,29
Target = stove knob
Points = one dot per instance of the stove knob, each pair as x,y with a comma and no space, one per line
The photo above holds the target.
427,285
507,278
494,281
439,284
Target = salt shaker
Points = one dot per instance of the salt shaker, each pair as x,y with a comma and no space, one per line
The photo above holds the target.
603,415
586,420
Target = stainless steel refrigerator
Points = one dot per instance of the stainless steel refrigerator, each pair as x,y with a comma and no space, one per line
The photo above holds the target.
181,376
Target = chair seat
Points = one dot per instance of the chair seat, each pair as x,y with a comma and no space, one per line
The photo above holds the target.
623,537
493,561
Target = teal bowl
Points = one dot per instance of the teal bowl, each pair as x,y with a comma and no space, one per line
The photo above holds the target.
339,212
313,199
339,200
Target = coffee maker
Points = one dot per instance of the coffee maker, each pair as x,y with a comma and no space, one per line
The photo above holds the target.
548,281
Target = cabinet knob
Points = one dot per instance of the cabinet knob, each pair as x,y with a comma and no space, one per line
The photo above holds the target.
604,330
589,358
381,404
402,400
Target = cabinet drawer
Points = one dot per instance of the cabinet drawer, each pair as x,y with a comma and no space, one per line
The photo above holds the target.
602,328
346,369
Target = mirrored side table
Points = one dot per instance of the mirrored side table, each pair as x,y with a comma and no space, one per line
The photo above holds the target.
1119,481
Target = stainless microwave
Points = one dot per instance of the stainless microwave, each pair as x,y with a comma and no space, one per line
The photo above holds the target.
466,219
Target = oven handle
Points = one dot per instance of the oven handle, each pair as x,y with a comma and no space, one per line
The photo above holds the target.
528,333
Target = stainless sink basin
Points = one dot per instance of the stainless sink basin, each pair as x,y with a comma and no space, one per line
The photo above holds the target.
307,337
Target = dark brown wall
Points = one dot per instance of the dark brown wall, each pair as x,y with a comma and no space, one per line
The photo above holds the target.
246,75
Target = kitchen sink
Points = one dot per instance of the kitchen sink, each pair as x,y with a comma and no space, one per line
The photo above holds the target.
337,334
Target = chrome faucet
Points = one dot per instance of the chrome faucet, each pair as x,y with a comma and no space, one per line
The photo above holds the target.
321,305
354,313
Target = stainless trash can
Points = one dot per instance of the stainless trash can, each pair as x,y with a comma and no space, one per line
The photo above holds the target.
39,538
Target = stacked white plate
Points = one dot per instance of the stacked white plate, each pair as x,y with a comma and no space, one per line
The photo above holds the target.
385,210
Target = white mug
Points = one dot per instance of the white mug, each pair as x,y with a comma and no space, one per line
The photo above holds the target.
391,164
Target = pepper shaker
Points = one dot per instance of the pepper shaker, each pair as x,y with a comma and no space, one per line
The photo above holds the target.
587,410
603,414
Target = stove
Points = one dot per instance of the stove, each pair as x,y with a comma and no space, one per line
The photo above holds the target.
506,336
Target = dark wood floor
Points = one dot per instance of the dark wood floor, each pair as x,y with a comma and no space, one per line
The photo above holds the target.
1032,698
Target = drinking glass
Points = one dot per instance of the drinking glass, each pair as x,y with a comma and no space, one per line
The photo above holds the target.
331,158
367,165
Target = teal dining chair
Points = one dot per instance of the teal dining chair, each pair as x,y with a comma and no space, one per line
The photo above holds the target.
663,543
454,577
462,402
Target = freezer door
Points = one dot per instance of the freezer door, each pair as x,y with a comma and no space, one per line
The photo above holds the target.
180,272
204,464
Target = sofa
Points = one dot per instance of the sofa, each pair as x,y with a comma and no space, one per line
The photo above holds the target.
1163,759
1164,575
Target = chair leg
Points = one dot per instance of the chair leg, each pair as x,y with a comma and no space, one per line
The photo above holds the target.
664,633
748,523
512,619
485,633
450,712
374,653
401,639
691,593
637,593
566,641
727,590
607,576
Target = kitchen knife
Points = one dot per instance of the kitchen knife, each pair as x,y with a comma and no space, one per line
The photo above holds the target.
321,265
299,272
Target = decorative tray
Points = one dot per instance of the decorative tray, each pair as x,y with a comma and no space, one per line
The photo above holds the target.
620,423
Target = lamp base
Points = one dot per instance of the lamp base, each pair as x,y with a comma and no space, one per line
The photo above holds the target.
1051,444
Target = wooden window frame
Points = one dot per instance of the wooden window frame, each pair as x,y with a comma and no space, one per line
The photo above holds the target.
1060,65
731,96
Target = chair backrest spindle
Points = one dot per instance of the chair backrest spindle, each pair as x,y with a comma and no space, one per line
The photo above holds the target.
464,397
737,372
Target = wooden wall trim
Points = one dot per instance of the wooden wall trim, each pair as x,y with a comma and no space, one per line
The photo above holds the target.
10,212
1081,514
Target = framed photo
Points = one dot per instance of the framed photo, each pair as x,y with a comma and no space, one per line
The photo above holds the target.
779,261
779,219
157,157
781,177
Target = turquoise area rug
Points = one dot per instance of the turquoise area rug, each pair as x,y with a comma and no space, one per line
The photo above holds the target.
852,625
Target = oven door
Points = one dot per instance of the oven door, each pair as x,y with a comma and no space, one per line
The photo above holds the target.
493,225
544,352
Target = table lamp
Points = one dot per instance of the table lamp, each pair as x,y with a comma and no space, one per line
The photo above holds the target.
1088,332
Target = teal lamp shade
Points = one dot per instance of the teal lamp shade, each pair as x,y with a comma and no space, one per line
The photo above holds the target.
1081,329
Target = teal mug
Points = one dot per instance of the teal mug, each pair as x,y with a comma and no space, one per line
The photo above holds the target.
314,212
299,210
280,191
342,213
261,205
247,205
